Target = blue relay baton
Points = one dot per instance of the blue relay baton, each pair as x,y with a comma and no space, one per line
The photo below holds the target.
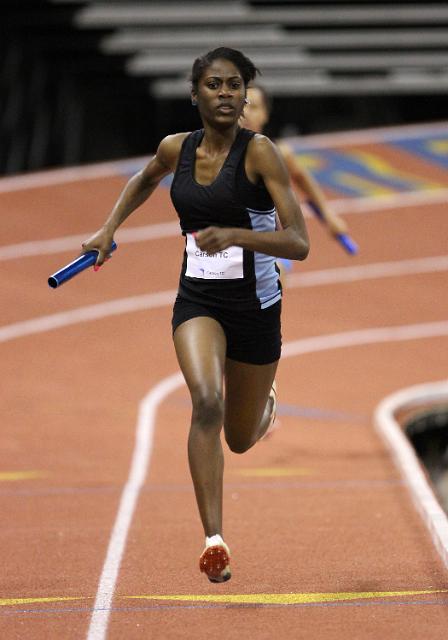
73,268
343,238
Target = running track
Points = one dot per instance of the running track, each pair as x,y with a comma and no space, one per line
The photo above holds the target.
100,536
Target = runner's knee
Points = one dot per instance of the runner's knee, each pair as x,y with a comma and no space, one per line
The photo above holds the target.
208,409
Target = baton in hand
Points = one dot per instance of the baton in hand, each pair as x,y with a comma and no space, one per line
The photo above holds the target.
74,268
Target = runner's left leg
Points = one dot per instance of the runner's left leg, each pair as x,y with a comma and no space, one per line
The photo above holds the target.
248,408
200,346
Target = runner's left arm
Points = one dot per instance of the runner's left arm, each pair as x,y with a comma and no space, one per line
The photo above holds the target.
291,240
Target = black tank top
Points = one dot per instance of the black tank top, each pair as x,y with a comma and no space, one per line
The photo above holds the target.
235,276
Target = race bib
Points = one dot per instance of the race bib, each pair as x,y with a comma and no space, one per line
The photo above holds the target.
223,265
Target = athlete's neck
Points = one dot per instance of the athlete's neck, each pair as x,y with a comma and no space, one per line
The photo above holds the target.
217,141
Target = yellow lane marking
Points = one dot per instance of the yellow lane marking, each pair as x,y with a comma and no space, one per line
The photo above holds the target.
10,476
8,602
286,598
245,598
439,146
272,472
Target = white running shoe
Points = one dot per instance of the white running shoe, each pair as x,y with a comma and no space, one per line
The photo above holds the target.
272,424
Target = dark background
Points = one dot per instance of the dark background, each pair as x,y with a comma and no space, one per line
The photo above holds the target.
63,102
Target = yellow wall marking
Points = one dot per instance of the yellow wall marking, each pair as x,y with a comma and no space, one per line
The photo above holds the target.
310,161
381,167
10,476
287,598
8,602
364,185
272,472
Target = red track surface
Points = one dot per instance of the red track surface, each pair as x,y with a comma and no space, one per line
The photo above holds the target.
317,509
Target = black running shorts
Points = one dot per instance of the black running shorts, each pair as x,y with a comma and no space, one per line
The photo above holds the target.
253,336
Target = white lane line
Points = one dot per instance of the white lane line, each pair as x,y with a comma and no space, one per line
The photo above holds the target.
145,434
42,179
364,337
368,271
166,298
157,231
73,243
144,437
86,314
407,461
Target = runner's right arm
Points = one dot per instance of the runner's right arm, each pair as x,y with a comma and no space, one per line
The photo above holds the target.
136,192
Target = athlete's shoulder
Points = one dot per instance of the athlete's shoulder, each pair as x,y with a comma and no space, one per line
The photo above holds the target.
170,147
260,142
173,142
262,145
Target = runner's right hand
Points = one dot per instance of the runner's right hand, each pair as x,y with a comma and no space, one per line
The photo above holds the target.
101,241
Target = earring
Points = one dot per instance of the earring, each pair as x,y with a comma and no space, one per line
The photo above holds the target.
194,102
246,101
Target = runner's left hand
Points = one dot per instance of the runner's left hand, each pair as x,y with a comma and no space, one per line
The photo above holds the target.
213,239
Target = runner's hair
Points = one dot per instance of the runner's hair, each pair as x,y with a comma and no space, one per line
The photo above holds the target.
244,65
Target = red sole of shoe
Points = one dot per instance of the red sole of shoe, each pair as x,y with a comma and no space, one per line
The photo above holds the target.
213,561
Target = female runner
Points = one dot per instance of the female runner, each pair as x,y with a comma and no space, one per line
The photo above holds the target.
256,116
228,186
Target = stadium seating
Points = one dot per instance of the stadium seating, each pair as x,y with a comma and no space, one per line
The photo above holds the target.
72,68
304,47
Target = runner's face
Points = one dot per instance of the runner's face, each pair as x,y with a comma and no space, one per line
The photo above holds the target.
255,115
220,94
